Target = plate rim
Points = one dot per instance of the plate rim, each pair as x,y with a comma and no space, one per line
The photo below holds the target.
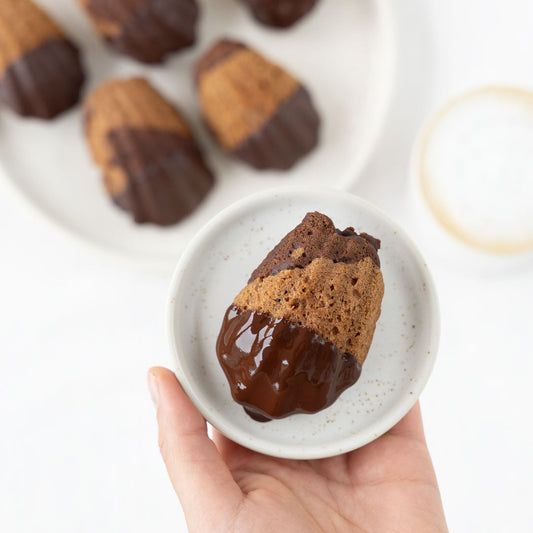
347,179
378,428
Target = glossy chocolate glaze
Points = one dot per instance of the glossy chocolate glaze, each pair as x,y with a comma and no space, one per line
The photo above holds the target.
166,174
290,134
276,368
280,13
149,29
44,82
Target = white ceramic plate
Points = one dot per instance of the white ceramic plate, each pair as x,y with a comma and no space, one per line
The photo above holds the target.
216,265
343,52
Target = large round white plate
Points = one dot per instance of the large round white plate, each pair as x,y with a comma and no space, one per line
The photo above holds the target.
343,51
215,267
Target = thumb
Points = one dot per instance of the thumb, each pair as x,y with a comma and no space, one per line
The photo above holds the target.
201,479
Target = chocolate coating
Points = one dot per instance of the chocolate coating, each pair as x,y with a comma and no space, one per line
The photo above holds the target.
291,133
45,81
255,109
217,54
280,13
277,368
167,176
151,163
146,30
318,237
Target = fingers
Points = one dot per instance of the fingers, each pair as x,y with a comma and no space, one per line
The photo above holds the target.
410,425
198,473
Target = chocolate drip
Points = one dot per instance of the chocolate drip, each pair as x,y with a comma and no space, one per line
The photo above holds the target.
276,368
291,133
147,30
280,13
316,236
166,175
44,82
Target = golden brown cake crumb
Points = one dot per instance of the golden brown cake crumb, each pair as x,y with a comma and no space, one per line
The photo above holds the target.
152,165
246,80
341,302
24,26
130,103
256,110
41,74
298,334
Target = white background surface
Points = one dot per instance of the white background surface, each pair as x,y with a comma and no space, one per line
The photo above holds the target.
62,162
78,445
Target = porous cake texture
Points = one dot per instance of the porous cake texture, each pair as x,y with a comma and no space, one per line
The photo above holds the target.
322,279
298,334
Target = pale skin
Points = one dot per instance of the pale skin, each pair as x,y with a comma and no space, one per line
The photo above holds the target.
386,486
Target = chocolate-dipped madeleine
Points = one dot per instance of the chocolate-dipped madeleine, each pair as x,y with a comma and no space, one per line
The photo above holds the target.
256,110
146,30
280,13
152,165
297,335
41,74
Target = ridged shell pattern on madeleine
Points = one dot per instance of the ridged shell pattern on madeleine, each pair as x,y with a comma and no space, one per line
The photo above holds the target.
152,165
256,110
41,74
146,30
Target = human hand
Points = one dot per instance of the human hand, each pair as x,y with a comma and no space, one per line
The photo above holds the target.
386,486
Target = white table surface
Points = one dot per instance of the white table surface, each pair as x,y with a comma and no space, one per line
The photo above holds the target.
78,447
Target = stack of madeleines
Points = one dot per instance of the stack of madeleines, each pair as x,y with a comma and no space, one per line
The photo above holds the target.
152,165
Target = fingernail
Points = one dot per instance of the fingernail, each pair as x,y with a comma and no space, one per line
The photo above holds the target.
152,387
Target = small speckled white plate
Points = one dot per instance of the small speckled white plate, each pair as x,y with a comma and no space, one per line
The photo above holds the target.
216,266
